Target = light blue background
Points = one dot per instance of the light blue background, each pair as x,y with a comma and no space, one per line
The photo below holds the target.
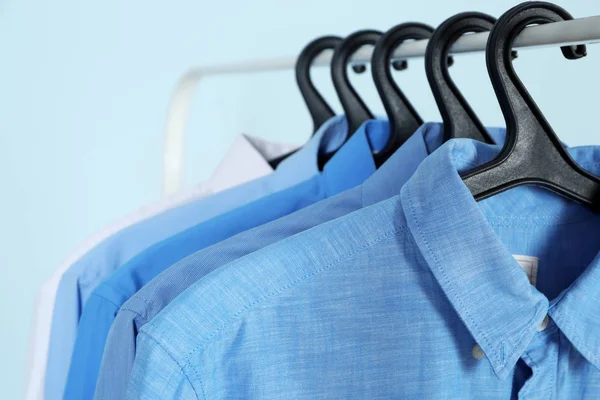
84,89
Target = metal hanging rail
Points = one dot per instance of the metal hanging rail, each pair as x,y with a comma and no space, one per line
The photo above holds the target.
577,31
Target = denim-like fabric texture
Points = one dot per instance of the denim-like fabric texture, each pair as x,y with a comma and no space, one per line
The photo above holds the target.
391,300
349,167
81,279
120,348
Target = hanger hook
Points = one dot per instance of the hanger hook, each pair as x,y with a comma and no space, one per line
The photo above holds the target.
404,119
459,118
318,108
509,89
532,153
354,107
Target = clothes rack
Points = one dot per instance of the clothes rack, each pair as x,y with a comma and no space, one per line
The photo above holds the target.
577,31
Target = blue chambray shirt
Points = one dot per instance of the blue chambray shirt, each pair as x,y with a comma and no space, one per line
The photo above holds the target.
82,278
418,296
350,166
120,348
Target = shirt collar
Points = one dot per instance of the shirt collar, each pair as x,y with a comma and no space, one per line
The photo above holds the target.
248,158
304,163
577,312
387,181
479,276
268,149
353,162
577,309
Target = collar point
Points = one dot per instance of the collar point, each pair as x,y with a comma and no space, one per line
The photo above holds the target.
502,371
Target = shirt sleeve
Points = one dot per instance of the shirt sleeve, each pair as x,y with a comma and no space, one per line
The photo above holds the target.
117,361
156,375
94,325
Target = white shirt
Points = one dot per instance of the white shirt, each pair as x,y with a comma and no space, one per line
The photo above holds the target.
247,159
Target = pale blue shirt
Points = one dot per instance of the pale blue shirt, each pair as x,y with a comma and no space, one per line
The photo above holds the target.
82,277
418,296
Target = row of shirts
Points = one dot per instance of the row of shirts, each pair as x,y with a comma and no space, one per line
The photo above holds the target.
347,282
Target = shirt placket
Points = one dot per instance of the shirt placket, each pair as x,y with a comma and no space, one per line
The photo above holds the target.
542,357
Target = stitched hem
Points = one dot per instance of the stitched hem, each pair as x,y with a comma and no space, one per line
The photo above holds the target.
572,331
499,358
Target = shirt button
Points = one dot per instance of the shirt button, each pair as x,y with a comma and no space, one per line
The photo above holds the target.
544,324
477,352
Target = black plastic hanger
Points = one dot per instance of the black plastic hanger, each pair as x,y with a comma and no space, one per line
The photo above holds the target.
354,107
318,108
404,119
532,153
459,119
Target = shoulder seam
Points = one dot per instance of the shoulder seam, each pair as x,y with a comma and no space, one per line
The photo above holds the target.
200,346
102,297
138,297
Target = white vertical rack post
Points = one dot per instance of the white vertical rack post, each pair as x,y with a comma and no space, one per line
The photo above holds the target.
577,31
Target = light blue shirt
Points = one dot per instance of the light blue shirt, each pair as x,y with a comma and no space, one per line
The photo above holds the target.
418,296
350,166
82,278
119,352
